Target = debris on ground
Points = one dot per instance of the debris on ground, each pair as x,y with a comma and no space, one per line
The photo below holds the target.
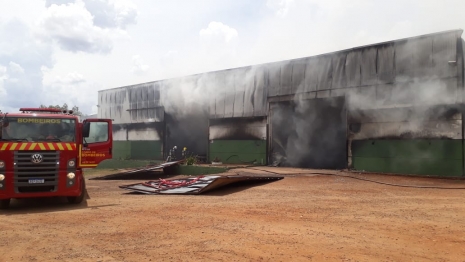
195,185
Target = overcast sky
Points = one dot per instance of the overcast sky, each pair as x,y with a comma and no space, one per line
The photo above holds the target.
63,51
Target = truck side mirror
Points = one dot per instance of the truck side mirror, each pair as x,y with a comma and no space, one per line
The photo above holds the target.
86,129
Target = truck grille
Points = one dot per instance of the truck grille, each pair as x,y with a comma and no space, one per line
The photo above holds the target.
29,175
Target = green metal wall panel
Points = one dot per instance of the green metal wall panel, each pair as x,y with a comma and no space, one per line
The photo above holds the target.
415,157
238,151
146,150
117,163
121,150
139,150
198,170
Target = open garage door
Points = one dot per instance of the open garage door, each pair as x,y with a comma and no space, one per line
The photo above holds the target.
309,133
189,131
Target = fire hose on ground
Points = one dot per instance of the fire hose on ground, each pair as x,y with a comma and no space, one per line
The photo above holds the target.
171,184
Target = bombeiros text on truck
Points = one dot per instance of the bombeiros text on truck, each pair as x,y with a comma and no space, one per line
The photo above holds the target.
43,152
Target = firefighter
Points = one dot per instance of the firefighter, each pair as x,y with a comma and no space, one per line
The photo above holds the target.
184,152
172,154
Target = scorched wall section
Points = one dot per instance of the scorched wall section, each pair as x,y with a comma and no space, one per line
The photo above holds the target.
238,140
400,96
414,124
138,120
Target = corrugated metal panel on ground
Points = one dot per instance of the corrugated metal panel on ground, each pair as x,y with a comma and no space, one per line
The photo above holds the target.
196,185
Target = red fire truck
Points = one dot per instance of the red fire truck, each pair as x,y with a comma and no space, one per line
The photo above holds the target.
43,152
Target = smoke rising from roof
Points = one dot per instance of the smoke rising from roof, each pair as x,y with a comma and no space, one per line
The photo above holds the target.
416,87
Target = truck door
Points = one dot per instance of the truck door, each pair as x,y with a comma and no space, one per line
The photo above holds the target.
97,142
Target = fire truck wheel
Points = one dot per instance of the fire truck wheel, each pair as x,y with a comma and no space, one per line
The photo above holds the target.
4,203
80,198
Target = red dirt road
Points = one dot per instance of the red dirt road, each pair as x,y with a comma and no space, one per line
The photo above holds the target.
299,218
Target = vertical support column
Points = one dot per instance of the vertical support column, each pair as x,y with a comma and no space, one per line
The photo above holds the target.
268,135
208,140
460,88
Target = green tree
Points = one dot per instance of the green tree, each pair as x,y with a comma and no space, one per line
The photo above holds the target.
65,107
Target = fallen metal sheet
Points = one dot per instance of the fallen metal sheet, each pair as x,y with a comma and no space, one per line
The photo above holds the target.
139,170
195,185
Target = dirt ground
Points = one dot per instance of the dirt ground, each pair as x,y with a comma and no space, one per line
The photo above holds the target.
303,217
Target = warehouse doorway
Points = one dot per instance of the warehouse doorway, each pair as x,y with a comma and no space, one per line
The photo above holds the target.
309,133
187,130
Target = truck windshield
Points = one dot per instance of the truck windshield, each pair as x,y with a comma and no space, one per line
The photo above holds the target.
39,129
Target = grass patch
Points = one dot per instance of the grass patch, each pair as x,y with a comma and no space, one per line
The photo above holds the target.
116,163
192,170
99,171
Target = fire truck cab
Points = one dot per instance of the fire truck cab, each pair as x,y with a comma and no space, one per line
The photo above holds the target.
43,152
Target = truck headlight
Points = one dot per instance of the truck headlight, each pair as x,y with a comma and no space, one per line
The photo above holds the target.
2,164
71,175
71,163
2,177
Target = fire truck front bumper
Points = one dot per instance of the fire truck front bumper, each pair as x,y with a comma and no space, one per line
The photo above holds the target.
12,186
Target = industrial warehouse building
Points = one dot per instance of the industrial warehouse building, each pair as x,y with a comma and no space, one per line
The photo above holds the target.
392,107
